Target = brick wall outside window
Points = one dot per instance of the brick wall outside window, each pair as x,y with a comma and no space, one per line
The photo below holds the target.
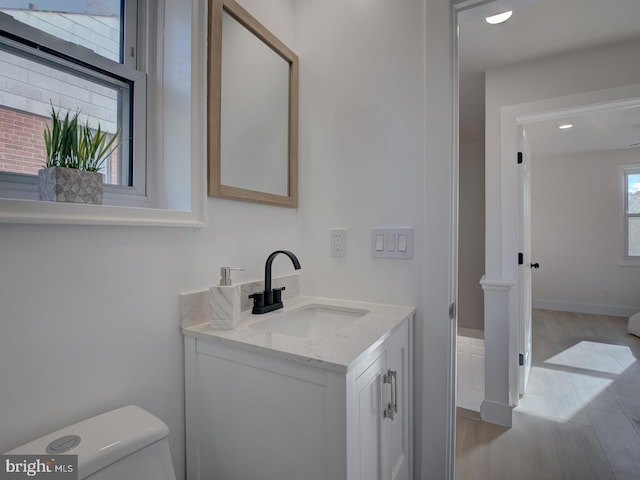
22,144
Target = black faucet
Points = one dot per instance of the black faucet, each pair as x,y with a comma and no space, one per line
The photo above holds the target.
270,300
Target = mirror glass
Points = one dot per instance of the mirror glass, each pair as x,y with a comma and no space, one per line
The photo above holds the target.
252,110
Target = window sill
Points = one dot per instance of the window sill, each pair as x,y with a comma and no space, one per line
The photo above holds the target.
629,262
37,212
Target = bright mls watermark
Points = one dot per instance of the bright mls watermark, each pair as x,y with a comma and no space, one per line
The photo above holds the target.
49,467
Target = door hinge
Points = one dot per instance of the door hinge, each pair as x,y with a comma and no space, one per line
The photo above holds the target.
520,359
519,158
452,311
520,258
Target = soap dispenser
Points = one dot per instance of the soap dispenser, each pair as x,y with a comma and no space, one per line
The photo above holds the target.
225,275
224,302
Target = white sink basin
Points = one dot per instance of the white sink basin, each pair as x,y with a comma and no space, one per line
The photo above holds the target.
310,321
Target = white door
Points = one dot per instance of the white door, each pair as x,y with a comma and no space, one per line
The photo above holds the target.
524,270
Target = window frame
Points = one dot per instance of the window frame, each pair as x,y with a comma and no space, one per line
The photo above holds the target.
175,120
625,258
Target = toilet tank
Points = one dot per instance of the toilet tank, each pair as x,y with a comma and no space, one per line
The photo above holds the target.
124,444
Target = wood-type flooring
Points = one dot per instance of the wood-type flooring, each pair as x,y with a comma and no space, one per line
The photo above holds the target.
580,417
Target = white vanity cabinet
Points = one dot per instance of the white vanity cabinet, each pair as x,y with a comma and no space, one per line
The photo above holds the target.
256,414
378,412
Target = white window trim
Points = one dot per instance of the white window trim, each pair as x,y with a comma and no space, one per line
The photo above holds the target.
176,130
625,260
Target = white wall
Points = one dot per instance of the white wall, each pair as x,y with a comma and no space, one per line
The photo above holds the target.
90,314
575,234
471,236
517,88
361,135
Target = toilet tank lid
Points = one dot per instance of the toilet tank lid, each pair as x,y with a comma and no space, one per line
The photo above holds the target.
104,439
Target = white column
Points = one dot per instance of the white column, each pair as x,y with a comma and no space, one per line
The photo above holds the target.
499,299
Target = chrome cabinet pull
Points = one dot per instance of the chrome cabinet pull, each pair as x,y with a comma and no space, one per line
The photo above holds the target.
394,397
392,407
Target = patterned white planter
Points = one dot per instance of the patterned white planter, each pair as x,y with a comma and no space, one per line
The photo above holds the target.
59,184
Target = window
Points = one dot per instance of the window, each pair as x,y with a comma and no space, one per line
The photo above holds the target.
631,212
152,87
77,56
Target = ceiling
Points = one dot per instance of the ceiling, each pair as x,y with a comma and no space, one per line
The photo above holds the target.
611,129
538,29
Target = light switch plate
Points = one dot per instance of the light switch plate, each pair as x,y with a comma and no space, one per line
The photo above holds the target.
392,242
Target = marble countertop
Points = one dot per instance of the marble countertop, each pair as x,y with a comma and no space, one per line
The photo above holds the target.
338,351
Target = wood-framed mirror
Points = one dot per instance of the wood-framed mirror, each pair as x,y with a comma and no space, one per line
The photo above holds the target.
252,131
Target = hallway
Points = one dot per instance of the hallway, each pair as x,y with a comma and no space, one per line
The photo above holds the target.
580,418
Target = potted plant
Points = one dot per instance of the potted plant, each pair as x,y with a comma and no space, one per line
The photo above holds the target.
75,155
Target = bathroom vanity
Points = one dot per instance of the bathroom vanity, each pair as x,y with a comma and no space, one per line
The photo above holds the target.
320,390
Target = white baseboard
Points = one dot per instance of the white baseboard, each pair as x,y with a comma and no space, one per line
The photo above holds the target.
497,413
615,310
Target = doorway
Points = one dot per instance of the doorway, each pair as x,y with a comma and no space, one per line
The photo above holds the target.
502,331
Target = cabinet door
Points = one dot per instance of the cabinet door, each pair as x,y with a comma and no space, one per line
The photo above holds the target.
372,430
400,426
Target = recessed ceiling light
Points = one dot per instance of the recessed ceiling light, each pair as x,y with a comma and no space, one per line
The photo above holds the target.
499,18
566,126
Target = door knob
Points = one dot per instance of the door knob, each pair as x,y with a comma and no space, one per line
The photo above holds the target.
535,265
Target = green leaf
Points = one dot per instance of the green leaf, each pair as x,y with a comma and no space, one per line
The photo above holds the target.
69,144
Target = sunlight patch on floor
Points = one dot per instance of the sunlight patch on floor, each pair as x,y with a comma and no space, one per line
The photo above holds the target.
595,356
573,380
553,394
